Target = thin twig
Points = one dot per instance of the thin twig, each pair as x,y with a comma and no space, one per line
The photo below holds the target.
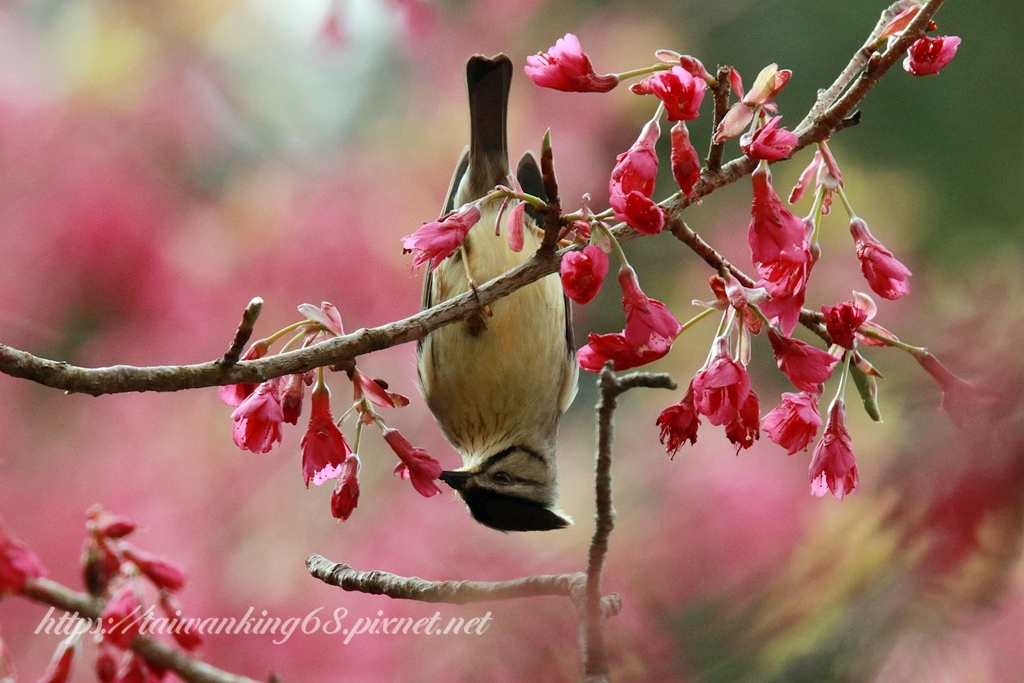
860,59
451,592
552,213
595,652
817,127
721,91
243,333
157,653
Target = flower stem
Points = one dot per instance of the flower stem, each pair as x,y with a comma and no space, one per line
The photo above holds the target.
723,327
695,319
847,355
756,121
290,328
819,200
288,344
654,68
659,111
504,192
915,351
616,247
359,435
846,201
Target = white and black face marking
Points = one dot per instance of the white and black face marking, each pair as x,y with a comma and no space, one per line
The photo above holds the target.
513,490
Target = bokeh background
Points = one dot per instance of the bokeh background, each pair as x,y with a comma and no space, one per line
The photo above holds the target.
163,163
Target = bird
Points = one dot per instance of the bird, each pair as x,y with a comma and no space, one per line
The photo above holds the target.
499,382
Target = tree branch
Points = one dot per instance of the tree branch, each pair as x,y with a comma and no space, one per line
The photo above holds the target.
823,120
595,652
870,66
452,592
583,588
156,652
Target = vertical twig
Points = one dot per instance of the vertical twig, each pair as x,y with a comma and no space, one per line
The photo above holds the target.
721,89
592,641
553,212
243,333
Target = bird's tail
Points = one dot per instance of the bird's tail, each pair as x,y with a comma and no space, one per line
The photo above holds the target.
488,80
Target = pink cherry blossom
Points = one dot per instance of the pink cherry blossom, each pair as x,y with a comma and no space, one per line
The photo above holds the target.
785,305
135,669
900,22
733,123
768,84
234,394
745,429
775,234
567,67
639,212
720,390
601,348
186,635
969,404
928,55
824,172
632,183
583,272
326,314
516,227
887,277
324,448
162,572
416,465
730,292
679,423
780,250
693,66
678,89
376,391
650,330
794,422
437,240
121,619
648,321
107,524
292,389
18,564
258,419
806,366
346,493
833,466
686,164
844,319
769,142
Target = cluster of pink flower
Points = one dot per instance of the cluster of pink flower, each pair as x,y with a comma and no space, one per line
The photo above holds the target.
261,409
115,569
784,249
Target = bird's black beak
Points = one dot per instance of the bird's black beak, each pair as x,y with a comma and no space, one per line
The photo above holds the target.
457,480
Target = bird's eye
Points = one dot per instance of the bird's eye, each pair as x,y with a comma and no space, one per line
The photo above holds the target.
502,477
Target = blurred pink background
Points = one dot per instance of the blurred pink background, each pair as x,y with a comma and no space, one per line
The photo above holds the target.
162,164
